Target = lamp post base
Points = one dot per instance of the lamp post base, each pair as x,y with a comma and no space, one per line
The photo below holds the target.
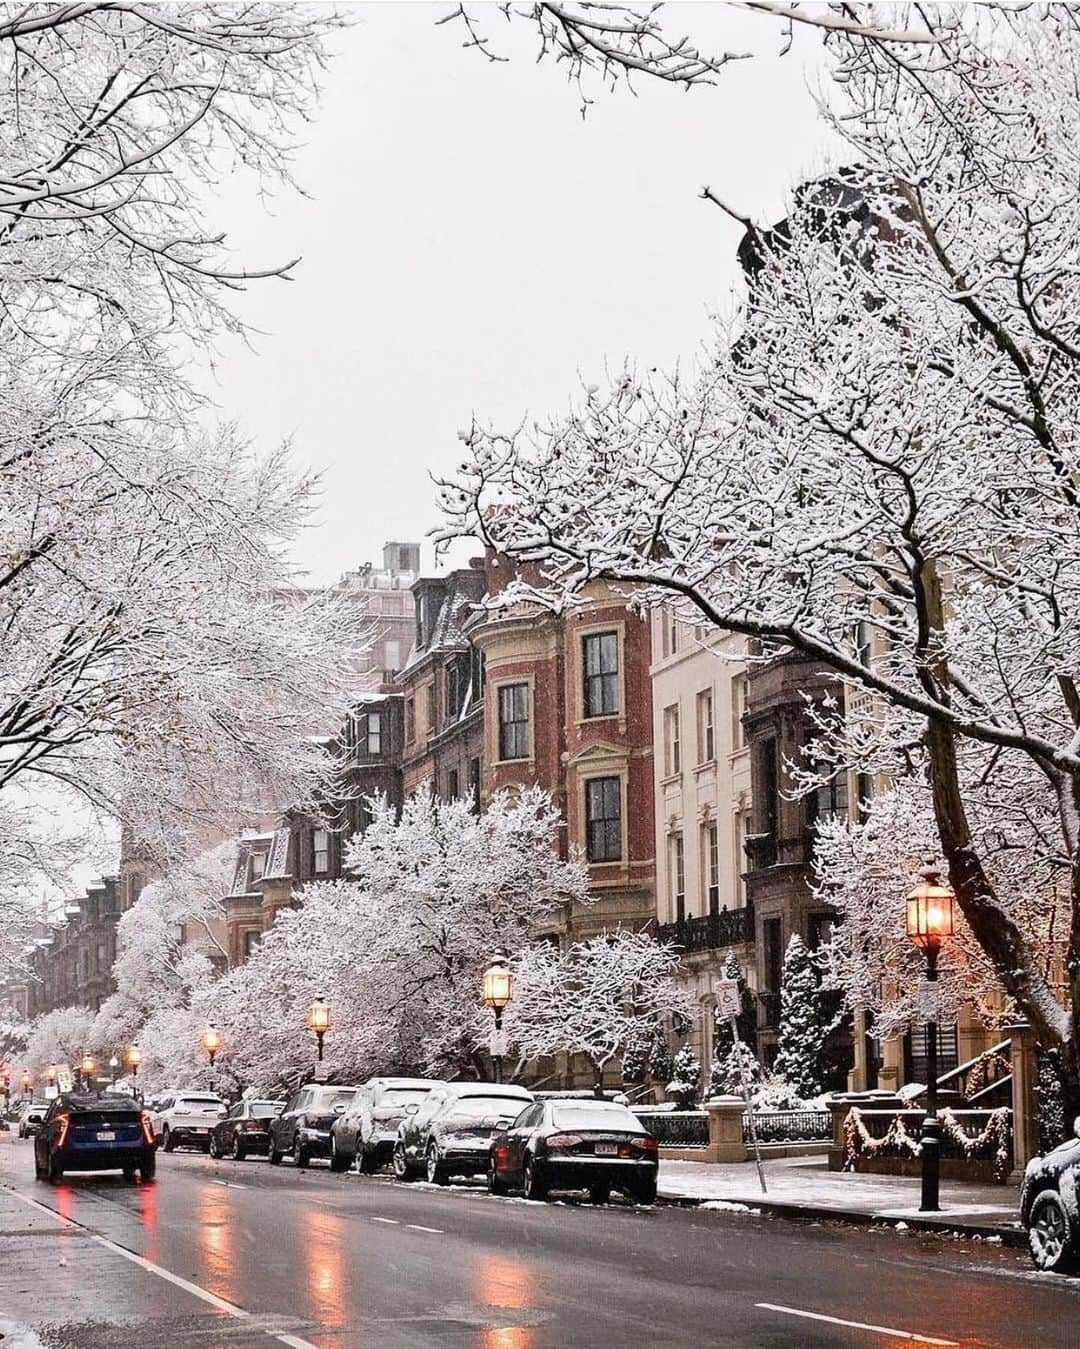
931,1165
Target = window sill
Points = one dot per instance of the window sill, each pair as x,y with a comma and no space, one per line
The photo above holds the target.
706,766
672,779
512,763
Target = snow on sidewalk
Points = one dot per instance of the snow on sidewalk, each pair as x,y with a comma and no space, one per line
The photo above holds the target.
807,1183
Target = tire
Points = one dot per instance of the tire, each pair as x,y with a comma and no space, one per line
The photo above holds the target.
533,1182
130,1173
1051,1234
300,1155
55,1171
213,1149
644,1192
238,1154
39,1174
339,1162
273,1156
148,1168
436,1172
495,1185
402,1169
599,1194
168,1142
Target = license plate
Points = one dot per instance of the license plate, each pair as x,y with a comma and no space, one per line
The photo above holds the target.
106,1136
607,1149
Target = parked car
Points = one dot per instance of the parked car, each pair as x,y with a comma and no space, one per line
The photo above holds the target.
367,1129
450,1134
94,1133
188,1118
302,1130
597,1146
245,1129
1050,1206
30,1118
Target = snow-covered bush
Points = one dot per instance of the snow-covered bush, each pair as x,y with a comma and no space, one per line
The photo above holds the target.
805,1022
686,1076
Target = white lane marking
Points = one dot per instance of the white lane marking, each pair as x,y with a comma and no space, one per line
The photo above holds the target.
856,1325
392,1221
218,1303
416,1227
230,1184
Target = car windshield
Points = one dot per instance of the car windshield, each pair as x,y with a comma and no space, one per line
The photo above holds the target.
199,1101
478,1107
403,1095
327,1100
596,1117
264,1110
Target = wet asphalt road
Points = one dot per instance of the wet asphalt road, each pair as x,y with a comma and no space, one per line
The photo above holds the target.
239,1254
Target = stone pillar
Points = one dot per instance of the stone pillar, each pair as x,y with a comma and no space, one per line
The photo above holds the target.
891,1072
1025,1071
857,1077
725,1129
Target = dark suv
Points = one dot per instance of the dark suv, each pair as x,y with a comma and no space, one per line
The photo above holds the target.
1050,1206
302,1130
94,1133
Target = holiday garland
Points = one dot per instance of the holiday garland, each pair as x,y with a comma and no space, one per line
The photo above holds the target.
980,1072
994,1140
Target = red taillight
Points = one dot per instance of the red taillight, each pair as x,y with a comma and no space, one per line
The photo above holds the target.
147,1127
502,1156
252,1126
649,1147
64,1122
563,1142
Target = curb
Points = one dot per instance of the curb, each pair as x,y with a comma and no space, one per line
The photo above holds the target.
1008,1236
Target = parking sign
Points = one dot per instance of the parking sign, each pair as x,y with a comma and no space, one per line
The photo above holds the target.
728,1004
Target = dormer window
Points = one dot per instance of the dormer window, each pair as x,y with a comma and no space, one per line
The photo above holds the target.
258,866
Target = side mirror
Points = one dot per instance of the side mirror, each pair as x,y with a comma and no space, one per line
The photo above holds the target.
412,1108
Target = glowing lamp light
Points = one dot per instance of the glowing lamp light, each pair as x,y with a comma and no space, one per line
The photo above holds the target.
930,911
498,988
212,1041
134,1057
319,1016
88,1065
26,1081
50,1074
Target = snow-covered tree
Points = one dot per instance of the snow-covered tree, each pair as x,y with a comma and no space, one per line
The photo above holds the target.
148,665
595,997
686,1076
60,1036
805,1021
876,464
400,948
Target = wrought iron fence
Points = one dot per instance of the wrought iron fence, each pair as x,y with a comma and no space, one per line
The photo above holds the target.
729,927
677,1128
790,1126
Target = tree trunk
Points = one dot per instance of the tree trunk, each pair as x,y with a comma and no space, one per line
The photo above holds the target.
598,1081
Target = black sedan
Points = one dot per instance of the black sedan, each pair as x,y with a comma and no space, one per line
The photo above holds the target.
597,1146
245,1129
94,1133
302,1129
1050,1206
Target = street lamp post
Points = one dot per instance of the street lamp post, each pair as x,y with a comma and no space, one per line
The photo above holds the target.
929,925
114,1064
134,1058
26,1083
87,1067
212,1042
498,993
319,1020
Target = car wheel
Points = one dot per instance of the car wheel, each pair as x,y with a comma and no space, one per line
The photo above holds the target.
436,1174
402,1169
533,1183
168,1142
1051,1234
273,1156
644,1191
148,1168
338,1160
213,1148
599,1194
39,1173
238,1153
300,1154
56,1171
495,1185
129,1173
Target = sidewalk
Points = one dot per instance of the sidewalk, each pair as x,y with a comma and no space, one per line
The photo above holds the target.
804,1187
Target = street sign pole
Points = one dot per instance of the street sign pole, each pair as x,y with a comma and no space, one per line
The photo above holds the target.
729,1004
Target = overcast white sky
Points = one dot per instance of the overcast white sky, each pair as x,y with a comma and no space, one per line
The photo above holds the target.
470,242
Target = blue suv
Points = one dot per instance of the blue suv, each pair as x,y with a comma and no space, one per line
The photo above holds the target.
94,1133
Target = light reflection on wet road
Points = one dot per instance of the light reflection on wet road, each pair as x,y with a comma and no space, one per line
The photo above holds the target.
313,1259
